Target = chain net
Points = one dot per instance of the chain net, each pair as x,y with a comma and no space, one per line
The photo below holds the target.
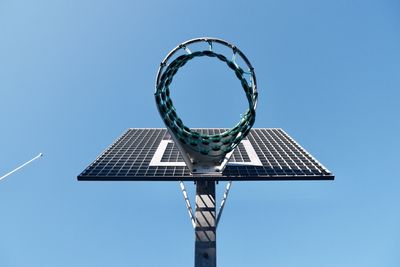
207,145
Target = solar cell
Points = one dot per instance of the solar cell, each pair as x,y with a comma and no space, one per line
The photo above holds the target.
151,155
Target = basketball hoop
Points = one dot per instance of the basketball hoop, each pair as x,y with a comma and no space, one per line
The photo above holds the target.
205,153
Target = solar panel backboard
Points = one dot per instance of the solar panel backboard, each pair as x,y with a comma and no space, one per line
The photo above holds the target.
151,155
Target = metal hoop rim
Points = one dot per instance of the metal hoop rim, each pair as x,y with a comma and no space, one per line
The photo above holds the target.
207,40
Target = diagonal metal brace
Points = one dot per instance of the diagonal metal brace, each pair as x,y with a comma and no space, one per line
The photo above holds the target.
223,201
187,202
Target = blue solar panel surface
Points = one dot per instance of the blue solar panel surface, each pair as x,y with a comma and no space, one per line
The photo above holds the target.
151,155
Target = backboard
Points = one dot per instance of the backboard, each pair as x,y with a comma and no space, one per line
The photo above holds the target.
151,155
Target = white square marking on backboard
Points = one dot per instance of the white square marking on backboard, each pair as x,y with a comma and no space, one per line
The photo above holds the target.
156,160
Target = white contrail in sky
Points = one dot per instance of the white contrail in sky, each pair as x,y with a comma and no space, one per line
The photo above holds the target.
23,165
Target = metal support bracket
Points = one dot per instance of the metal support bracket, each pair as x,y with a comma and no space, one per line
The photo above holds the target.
190,209
187,202
223,201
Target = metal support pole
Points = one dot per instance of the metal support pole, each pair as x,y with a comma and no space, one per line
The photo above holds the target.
205,231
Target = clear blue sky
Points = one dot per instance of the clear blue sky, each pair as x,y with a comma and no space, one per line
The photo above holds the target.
75,74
